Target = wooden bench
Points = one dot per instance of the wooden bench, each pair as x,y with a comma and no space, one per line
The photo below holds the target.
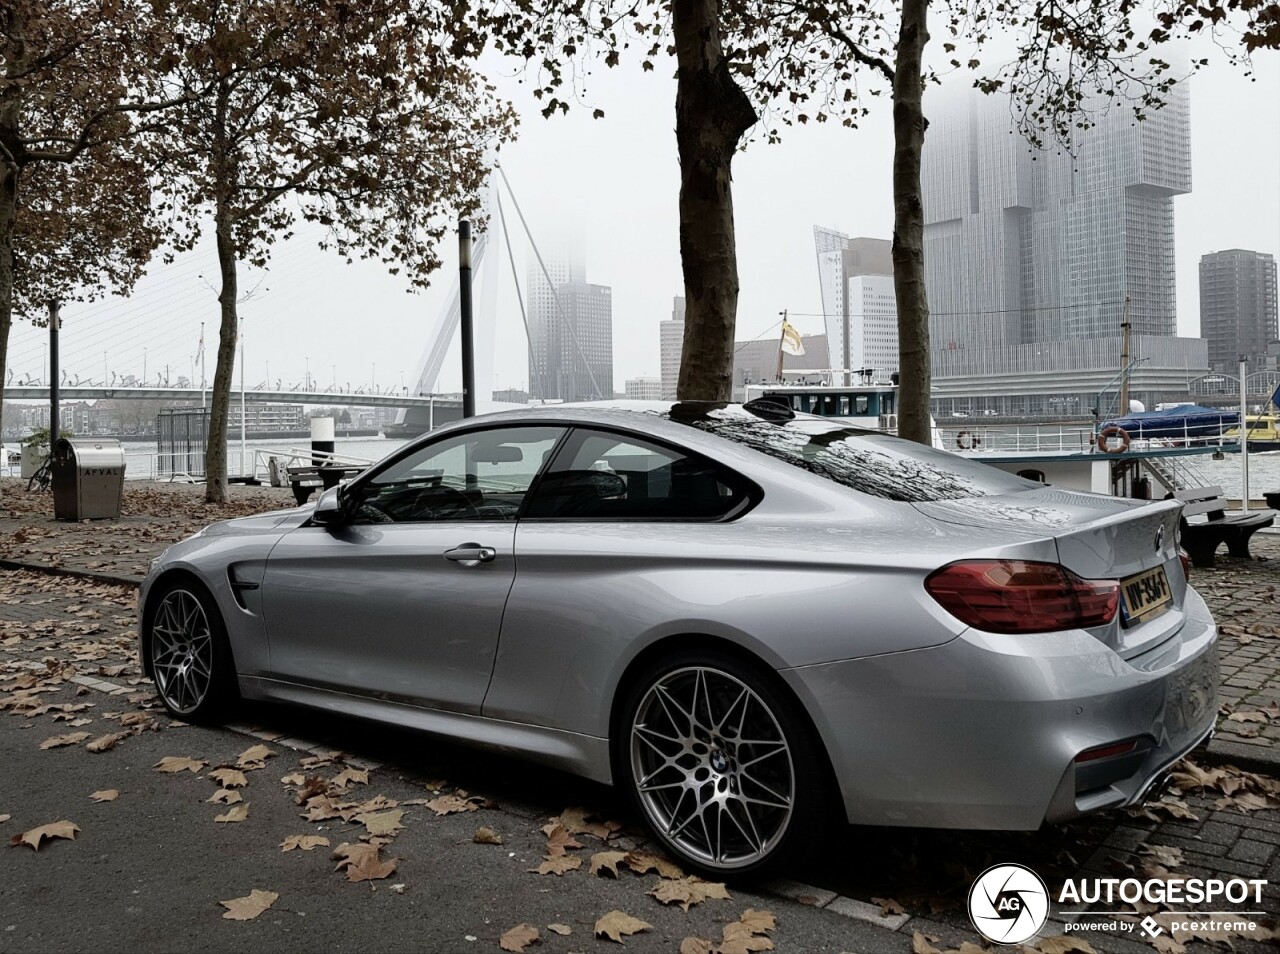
308,478
1214,526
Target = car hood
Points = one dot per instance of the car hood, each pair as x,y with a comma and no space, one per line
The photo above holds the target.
274,520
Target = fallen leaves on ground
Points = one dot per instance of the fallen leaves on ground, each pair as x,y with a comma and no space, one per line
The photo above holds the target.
519,937
642,862
236,813
449,804
562,929
580,821
362,862
1241,791
177,763
617,923
603,861
4,818
888,906
558,864
106,795
250,906
304,842
382,823
349,775
559,840
254,758
37,836
229,777
688,891
225,796
486,836
58,741
1062,944
105,743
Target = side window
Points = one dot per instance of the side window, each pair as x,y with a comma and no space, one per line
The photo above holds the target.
480,475
609,477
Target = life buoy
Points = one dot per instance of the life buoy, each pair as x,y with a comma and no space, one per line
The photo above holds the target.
1104,440
967,440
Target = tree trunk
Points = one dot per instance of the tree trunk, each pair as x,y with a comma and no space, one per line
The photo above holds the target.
8,215
215,454
712,114
908,226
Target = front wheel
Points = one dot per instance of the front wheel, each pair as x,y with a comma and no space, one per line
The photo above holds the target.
189,655
722,764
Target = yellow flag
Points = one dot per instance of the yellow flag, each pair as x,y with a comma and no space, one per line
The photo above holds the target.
791,343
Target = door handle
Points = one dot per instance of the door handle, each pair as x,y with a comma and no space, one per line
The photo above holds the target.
471,554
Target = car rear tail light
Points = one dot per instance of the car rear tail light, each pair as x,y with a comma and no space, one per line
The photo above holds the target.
1107,751
1185,558
1020,596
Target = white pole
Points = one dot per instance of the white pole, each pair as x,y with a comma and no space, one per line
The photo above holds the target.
244,417
1244,440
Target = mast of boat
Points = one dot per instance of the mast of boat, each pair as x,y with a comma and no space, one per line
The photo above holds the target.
1125,329
1244,437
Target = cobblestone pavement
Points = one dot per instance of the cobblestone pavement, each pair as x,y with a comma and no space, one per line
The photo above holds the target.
877,888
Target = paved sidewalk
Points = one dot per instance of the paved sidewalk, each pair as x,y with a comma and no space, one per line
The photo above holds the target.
148,869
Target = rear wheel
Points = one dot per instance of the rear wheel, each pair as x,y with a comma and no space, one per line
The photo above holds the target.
189,655
722,764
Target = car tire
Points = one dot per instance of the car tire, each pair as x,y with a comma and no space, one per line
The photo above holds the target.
740,788
189,656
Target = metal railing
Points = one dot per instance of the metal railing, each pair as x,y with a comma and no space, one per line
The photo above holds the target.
1069,437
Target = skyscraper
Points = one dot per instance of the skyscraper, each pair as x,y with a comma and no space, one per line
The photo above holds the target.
842,262
671,343
1031,254
570,329
1237,307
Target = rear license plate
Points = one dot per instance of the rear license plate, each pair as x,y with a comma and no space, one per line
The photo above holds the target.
1144,593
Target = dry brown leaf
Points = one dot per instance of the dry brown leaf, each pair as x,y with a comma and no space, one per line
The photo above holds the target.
617,923
448,804
315,761
225,796
688,891
888,906
758,921
382,823
559,841
236,813
106,795
578,821
642,862
322,808
1169,857
254,758
603,861
349,775
105,743
175,763
920,944
304,842
562,929
58,741
696,945
295,779
486,836
37,836
250,906
362,862
229,777
519,937
4,818
1252,716
558,864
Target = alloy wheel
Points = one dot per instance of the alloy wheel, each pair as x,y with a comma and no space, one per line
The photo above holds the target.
712,767
181,651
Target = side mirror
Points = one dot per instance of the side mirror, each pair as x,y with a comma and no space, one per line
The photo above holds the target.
328,511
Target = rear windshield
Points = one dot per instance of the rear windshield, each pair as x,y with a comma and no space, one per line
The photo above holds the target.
868,461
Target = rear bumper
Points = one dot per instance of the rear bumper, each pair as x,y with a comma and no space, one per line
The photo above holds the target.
983,731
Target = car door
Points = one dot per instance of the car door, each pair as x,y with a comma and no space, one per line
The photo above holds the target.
403,600
620,531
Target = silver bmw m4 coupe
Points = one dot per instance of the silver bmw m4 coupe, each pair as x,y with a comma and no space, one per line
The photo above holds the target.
752,621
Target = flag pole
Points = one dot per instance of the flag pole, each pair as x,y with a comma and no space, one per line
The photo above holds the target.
781,338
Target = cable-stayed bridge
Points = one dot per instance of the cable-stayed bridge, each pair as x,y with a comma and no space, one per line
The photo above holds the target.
336,398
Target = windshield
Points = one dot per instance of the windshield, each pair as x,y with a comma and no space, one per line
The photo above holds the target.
868,461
